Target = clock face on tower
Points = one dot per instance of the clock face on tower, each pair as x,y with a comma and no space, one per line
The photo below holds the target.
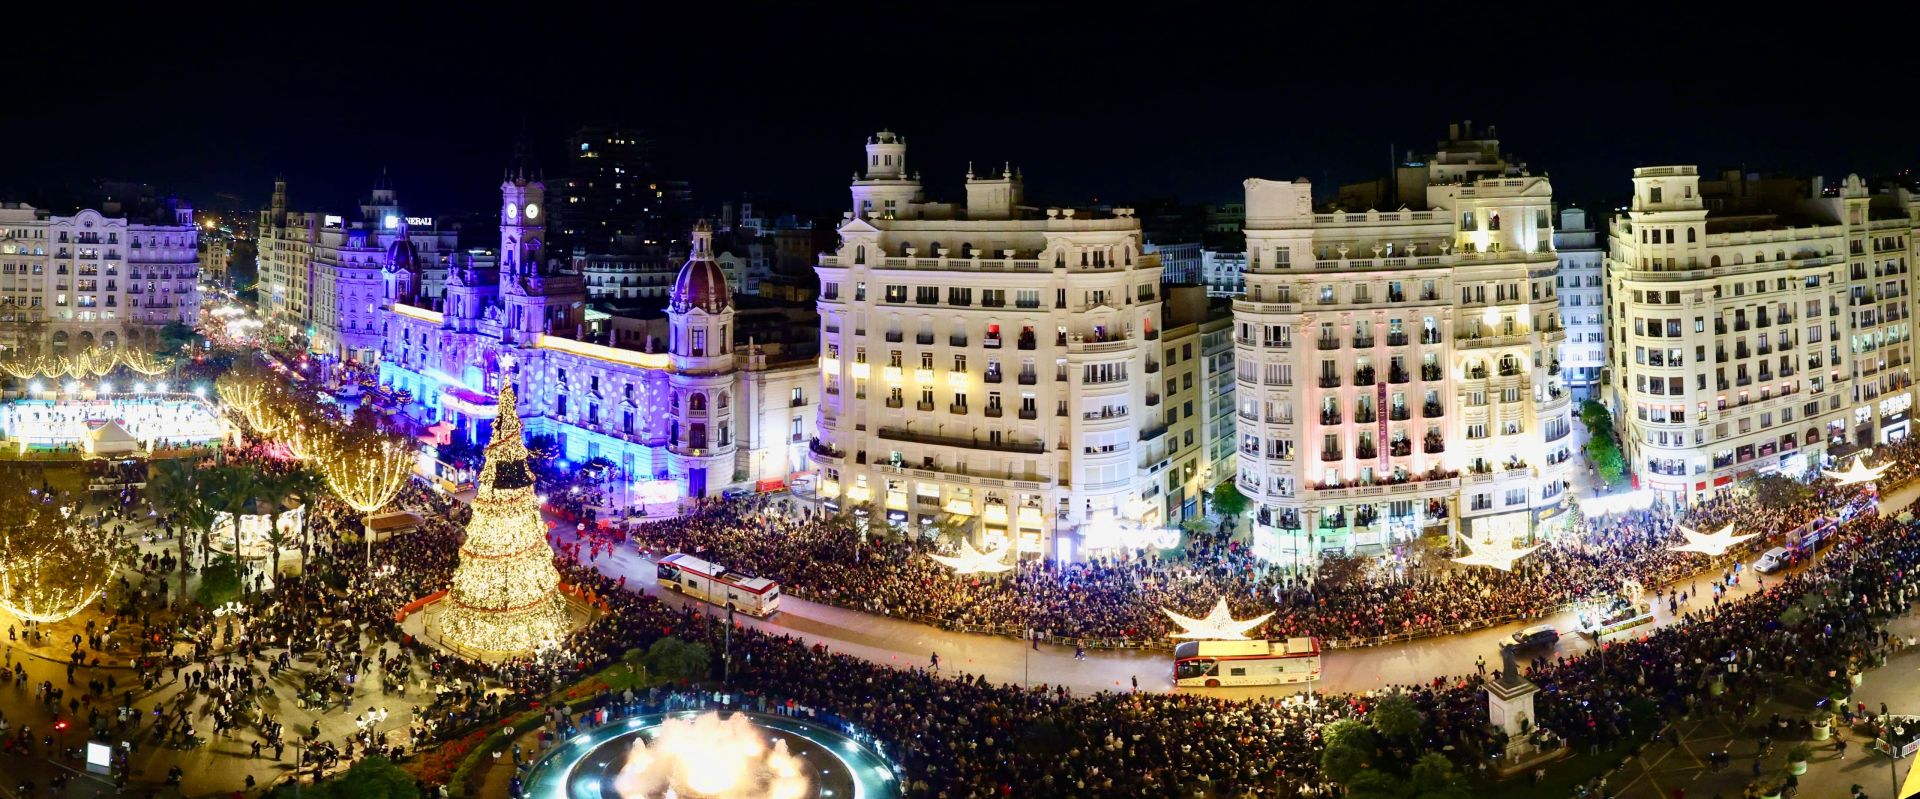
533,210
513,211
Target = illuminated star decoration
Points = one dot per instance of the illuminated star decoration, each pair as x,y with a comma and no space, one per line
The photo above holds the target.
1219,624
1496,552
973,561
1711,544
1859,473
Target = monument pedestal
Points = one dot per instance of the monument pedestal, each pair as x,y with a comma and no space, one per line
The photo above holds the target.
1510,708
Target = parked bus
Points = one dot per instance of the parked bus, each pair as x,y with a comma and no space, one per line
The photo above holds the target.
1216,663
710,582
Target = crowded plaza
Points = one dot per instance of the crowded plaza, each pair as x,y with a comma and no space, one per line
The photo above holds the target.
211,677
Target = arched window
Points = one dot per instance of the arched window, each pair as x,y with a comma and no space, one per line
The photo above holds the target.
696,402
1714,261
860,255
966,249
1690,236
724,397
904,247
1493,220
1759,257
1779,255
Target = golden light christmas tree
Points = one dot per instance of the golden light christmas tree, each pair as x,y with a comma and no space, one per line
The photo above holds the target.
505,597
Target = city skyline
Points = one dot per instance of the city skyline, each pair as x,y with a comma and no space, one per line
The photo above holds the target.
1129,116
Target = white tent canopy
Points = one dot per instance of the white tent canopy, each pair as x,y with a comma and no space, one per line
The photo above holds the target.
111,438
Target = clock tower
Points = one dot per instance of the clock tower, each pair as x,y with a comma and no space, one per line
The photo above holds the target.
539,297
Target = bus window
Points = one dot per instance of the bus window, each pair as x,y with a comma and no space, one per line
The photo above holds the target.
1197,667
1237,672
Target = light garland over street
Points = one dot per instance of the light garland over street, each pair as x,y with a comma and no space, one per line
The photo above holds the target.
973,561
1494,553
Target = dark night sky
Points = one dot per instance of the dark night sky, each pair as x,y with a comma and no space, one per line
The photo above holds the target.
776,99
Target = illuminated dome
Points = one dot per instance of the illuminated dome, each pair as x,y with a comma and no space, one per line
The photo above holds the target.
401,254
701,284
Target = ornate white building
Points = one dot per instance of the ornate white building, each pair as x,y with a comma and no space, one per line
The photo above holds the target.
687,405
1396,369
1760,325
993,367
96,279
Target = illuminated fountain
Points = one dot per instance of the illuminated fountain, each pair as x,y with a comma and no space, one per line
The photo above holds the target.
690,755
708,756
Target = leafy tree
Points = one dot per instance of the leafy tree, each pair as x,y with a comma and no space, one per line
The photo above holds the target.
372,778
1228,501
1396,718
177,337
1433,777
1607,458
1348,750
1595,416
219,582
1375,784
677,660
1779,491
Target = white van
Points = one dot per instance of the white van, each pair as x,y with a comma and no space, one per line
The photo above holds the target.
1772,560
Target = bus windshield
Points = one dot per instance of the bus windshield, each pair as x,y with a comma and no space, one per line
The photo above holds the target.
1197,667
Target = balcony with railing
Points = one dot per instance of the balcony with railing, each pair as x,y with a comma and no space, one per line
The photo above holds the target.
1432,410
1005,444
1365,416
1329,416
895,402
956,341
1400,448
1396,339
1434,445
896,337
1366,451
1363,342
1331,455
1029,414
1399,413
1329,381
1153,398
1430,371
1153,366
1029,378
1028,342
825,450
1430,337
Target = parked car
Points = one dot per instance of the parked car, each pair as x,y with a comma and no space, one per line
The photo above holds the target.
736,493
1537,635
1772,560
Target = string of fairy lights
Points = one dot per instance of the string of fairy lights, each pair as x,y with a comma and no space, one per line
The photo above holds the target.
505,596
51,565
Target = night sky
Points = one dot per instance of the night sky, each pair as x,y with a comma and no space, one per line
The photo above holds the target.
776,100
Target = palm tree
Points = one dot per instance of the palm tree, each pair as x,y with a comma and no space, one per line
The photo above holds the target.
308,485
232,489
272,489
172,486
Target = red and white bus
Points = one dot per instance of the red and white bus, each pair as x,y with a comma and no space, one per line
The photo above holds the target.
710,582
1215,663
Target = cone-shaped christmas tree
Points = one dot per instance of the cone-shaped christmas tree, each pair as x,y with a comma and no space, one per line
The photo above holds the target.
505,596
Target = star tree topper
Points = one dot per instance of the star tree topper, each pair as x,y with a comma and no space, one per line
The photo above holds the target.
1711,544
973,561
1219,624
1496,552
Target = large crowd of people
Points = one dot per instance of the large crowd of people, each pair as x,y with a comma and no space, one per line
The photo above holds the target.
321,636
1118,600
